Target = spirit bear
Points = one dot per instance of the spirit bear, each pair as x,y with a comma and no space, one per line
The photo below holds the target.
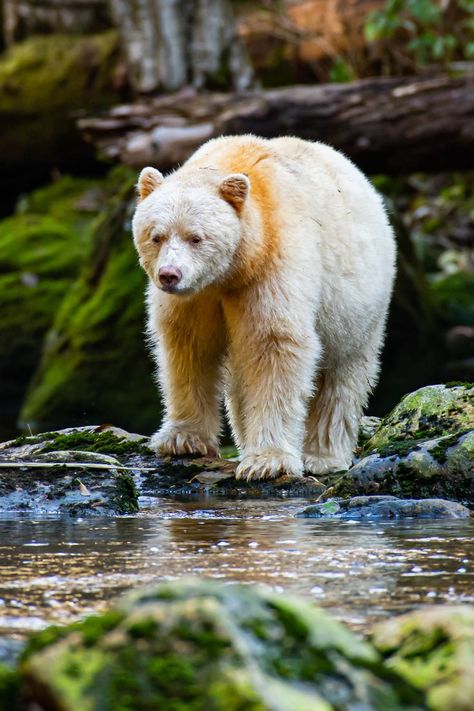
270,266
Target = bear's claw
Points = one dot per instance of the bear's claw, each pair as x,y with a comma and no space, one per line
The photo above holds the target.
178,442
268,465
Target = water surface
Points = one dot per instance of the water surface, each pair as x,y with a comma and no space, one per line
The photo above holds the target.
56,570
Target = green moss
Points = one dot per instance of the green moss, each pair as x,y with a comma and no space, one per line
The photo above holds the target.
95,366
191,645
440,451
41,251
434,651
91,630
430,412
102,442
126,499
32,439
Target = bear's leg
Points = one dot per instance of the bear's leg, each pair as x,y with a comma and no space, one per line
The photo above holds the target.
189,354
273,360
234,406
334,414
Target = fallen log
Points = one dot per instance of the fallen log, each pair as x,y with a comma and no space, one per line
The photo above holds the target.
389,125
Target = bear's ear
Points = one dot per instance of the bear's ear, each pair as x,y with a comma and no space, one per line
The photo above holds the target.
235,188
149,179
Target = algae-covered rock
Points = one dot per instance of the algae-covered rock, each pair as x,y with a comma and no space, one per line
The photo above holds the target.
441,467
424,448
433,649
430,412
41,250
202,645
95,367
376,508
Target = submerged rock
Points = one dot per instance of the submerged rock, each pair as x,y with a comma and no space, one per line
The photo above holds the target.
433,649
423,448
377,508
203,645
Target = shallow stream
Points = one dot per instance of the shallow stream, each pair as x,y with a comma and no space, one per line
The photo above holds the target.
55,570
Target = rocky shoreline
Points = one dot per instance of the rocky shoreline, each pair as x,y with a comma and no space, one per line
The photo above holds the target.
423,450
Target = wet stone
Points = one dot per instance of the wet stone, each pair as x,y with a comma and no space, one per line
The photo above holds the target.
384,507
103,470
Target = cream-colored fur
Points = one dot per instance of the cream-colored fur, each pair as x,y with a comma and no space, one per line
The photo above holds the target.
287,263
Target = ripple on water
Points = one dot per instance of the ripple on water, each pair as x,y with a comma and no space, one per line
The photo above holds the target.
55,570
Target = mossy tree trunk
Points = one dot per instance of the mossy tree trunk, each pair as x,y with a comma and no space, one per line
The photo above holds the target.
170,44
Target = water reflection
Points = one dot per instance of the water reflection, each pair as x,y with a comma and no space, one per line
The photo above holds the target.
54,570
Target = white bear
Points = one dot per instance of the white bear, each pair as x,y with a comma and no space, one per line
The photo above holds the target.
270,265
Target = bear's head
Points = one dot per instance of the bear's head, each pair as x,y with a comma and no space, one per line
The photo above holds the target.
187,227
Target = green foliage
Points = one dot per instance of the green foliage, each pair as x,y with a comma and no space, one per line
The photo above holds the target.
102,442
95,367
42,248
406,33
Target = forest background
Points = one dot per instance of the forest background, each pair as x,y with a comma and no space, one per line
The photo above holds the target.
90,91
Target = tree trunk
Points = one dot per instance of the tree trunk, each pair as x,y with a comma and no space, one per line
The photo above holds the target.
386,125
170,44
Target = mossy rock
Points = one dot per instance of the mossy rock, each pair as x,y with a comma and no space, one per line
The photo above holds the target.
433,649
44,81
68,473
423,449
417,469
42,247
432,411
95,367
9,689
203,645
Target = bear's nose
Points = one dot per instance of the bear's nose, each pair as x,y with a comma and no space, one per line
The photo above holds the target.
169,276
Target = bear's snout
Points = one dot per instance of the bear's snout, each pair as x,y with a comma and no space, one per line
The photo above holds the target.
169,276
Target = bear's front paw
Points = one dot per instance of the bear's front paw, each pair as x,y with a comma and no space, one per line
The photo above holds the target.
175,442
268,464
318,464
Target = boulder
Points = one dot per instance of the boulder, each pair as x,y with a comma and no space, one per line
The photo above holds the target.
194,644
433,649
424,448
